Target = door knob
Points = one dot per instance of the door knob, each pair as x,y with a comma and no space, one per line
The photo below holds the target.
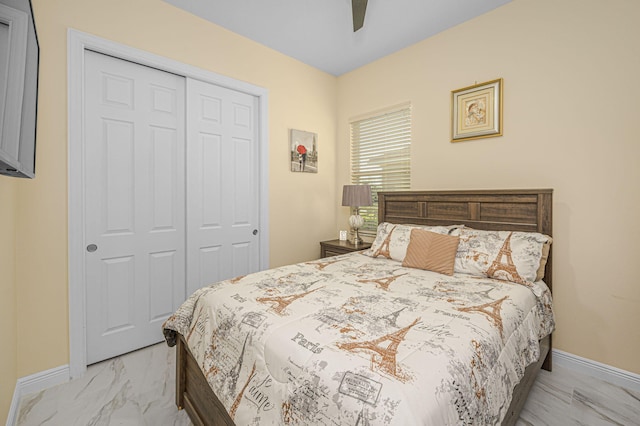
91,248
255,232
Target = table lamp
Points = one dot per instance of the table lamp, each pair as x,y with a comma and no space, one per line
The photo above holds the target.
356,196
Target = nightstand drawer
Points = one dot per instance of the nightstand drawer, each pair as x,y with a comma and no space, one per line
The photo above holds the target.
329,253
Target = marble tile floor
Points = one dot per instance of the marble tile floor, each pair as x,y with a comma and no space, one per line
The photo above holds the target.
134,389
565,397
138,389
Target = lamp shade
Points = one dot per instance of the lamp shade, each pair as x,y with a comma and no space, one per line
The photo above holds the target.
356,195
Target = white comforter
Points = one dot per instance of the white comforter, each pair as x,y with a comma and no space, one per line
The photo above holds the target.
355,340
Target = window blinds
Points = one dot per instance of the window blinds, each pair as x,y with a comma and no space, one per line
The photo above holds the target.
380,157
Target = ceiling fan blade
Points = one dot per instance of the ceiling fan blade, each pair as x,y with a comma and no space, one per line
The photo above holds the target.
358,8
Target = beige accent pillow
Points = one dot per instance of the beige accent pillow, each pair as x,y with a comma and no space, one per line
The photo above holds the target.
543,260
431,251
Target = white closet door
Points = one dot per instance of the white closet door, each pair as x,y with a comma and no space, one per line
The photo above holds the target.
222,184
134,175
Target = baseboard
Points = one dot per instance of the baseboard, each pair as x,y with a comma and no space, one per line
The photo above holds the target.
13,409
616,376
35,383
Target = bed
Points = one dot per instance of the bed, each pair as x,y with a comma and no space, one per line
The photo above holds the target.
364,358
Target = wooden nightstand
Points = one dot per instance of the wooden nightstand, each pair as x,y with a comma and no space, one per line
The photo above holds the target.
337,247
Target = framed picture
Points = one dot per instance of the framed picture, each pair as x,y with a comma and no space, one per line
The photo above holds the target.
304,151
476,111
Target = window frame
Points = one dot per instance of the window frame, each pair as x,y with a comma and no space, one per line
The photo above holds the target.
368,142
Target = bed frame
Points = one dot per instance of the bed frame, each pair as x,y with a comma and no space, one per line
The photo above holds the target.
526,210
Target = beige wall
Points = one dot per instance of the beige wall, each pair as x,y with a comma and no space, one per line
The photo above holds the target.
571,111
570,107
299,97
9,353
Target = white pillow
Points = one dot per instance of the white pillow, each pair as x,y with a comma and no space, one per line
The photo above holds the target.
503,255
392,240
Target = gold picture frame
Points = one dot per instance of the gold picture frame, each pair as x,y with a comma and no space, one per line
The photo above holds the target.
476,111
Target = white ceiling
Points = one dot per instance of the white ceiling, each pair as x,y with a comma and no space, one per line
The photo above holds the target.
320,32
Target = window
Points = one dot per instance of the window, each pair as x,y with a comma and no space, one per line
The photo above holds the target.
380,156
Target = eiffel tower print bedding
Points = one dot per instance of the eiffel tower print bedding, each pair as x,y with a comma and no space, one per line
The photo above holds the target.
357,340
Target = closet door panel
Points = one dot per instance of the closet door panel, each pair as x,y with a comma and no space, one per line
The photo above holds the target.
222,184
134,205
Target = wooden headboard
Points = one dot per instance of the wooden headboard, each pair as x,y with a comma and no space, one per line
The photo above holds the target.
527,210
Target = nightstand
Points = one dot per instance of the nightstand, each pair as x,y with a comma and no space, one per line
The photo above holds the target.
337,247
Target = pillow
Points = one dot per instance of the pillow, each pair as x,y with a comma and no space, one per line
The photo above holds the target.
543,260
392,240
503,255
431,251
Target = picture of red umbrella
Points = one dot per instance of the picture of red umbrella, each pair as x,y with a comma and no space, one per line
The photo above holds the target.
304,151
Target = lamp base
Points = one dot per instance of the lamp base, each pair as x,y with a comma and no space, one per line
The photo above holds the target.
356,240
356,221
